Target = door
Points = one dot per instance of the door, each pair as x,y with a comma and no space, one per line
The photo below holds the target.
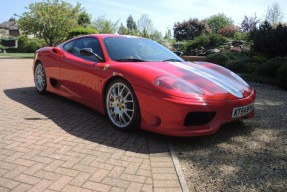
80,74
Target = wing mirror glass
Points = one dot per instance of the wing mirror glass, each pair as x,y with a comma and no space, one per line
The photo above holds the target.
86,52
89,52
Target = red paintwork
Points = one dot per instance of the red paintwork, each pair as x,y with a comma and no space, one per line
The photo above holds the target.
161,111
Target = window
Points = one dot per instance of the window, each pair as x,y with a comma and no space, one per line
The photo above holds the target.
69,46
120,48
74,47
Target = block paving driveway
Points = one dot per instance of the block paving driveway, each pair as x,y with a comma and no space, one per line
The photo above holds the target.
48,143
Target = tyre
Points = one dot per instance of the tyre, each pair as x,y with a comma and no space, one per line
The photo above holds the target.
122,106
40,78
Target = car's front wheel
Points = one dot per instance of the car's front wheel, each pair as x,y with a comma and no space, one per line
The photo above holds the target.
122,106
40,78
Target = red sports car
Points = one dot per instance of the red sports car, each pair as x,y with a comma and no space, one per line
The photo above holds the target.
138,83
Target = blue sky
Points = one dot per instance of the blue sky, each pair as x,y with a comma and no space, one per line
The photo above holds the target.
164,13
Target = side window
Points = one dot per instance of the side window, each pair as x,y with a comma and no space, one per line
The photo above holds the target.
90,42
70,46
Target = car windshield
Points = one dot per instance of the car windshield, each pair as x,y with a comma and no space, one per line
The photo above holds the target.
135,49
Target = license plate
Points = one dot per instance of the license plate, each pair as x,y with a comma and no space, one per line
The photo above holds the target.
241,111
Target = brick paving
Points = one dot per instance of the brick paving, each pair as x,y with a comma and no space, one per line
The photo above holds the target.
48,143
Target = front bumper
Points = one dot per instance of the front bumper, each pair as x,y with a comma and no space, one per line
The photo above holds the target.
166,114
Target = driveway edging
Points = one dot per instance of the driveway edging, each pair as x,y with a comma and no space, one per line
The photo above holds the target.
178,169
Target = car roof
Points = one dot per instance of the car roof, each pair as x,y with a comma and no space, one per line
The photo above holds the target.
101,36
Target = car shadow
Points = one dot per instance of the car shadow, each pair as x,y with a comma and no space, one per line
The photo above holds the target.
84,122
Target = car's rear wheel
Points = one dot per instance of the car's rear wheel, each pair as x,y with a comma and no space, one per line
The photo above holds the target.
122,106
40,78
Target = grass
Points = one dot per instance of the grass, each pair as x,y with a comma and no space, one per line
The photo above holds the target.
17,55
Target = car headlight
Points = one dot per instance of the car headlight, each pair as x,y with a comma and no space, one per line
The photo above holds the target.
177,85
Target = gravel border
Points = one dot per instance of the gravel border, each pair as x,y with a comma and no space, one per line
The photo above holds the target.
248,155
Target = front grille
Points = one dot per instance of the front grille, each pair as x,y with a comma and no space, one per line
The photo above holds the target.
198,118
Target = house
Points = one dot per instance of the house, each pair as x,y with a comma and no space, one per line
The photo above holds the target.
9,28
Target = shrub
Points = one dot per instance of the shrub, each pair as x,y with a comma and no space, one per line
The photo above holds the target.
216,40
81,31
239,65
270,41
218,58
228,31
256,61
271,66
205,41
26,45
239,36
35,44
281,76
237,62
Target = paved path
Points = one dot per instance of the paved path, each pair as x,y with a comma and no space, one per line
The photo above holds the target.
48,143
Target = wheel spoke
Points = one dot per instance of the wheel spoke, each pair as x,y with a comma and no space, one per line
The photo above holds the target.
128,93
40,85
123,119
127,115
42,82
112,97
118,93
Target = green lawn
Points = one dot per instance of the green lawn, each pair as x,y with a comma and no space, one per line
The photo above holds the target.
17,55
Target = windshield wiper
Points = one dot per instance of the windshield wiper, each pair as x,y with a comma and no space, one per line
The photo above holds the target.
172,60
130,60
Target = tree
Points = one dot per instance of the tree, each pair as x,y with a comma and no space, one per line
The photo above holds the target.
12,19
131,25
123,30
249,23
50,20
217,22
84,19
168,34
190,29
145,25
156,35
105,26
274,13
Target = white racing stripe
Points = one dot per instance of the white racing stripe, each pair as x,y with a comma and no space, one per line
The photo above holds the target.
223,84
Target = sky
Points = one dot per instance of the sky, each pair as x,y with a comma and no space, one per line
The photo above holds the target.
163,13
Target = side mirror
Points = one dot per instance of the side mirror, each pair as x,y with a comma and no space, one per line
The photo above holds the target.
178,53
86,52
89,52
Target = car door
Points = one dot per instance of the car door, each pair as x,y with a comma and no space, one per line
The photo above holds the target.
80,74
